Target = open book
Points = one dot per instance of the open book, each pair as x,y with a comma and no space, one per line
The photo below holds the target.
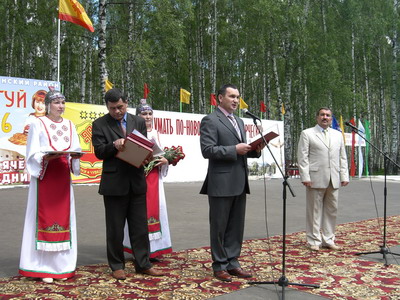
138,148
269,134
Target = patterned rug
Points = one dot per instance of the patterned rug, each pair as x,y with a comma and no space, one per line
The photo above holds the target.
341,274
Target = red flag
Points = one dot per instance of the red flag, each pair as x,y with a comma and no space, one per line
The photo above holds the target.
146,91
213,100
353,142
263,108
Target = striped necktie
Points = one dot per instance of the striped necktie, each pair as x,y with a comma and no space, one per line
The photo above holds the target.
122,124
235,125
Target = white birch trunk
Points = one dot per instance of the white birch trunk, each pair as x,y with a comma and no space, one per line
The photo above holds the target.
382,107
201,62
11,38
90,82
102,46
84,70
267,83
214,47
277,85
130,83
353,69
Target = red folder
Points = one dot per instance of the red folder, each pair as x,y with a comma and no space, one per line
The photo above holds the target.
137,136
135,152
269,135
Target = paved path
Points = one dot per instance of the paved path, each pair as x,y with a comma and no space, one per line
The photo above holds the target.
188,215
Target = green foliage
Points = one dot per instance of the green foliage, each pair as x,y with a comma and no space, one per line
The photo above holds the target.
168,45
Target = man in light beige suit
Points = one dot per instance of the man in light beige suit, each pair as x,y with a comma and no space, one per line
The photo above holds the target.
323,169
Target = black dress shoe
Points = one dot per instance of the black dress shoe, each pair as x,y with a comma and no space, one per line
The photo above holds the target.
154,260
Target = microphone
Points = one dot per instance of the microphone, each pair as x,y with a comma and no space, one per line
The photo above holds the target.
244,110
351,125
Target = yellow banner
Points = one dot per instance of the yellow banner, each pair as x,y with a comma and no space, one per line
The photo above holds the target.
82,115
242,104
185,96
108,85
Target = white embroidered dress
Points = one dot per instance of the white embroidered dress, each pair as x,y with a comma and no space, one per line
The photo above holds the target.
40,259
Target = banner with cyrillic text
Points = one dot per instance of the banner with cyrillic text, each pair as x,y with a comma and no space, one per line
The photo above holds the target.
21,100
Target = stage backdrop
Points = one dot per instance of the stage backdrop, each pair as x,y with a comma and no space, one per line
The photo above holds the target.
175,129
17,100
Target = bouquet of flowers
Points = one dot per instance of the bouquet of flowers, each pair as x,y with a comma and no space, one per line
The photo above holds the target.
172,154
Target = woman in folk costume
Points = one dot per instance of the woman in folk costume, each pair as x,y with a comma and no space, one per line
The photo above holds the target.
49,249
157,217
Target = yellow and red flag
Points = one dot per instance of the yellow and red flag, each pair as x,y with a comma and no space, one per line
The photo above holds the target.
72,11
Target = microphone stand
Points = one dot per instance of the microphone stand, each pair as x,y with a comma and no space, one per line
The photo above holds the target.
384,250
283,280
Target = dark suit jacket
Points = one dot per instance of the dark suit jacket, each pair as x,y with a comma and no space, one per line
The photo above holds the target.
227,171
117,175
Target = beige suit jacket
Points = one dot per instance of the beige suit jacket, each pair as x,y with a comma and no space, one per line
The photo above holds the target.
320,162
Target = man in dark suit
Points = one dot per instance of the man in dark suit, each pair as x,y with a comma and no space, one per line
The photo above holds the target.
123,187
223,143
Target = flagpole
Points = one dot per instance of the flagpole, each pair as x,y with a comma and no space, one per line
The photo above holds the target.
58,52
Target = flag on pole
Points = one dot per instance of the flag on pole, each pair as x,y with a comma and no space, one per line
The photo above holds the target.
242,104
283,109
342,129
353,142
72,11
185,96
361,132
108,85
367,137
263,108
335,124
213,100
146,91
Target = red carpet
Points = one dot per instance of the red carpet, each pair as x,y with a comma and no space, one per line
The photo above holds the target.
341,275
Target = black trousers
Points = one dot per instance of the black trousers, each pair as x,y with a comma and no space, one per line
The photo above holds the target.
131,207
227,216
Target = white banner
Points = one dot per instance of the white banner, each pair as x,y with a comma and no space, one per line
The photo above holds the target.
183,129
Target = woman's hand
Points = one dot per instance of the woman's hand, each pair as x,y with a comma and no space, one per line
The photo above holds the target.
161,161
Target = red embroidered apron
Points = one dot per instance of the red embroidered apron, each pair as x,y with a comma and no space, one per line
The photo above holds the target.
153,203
53,215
